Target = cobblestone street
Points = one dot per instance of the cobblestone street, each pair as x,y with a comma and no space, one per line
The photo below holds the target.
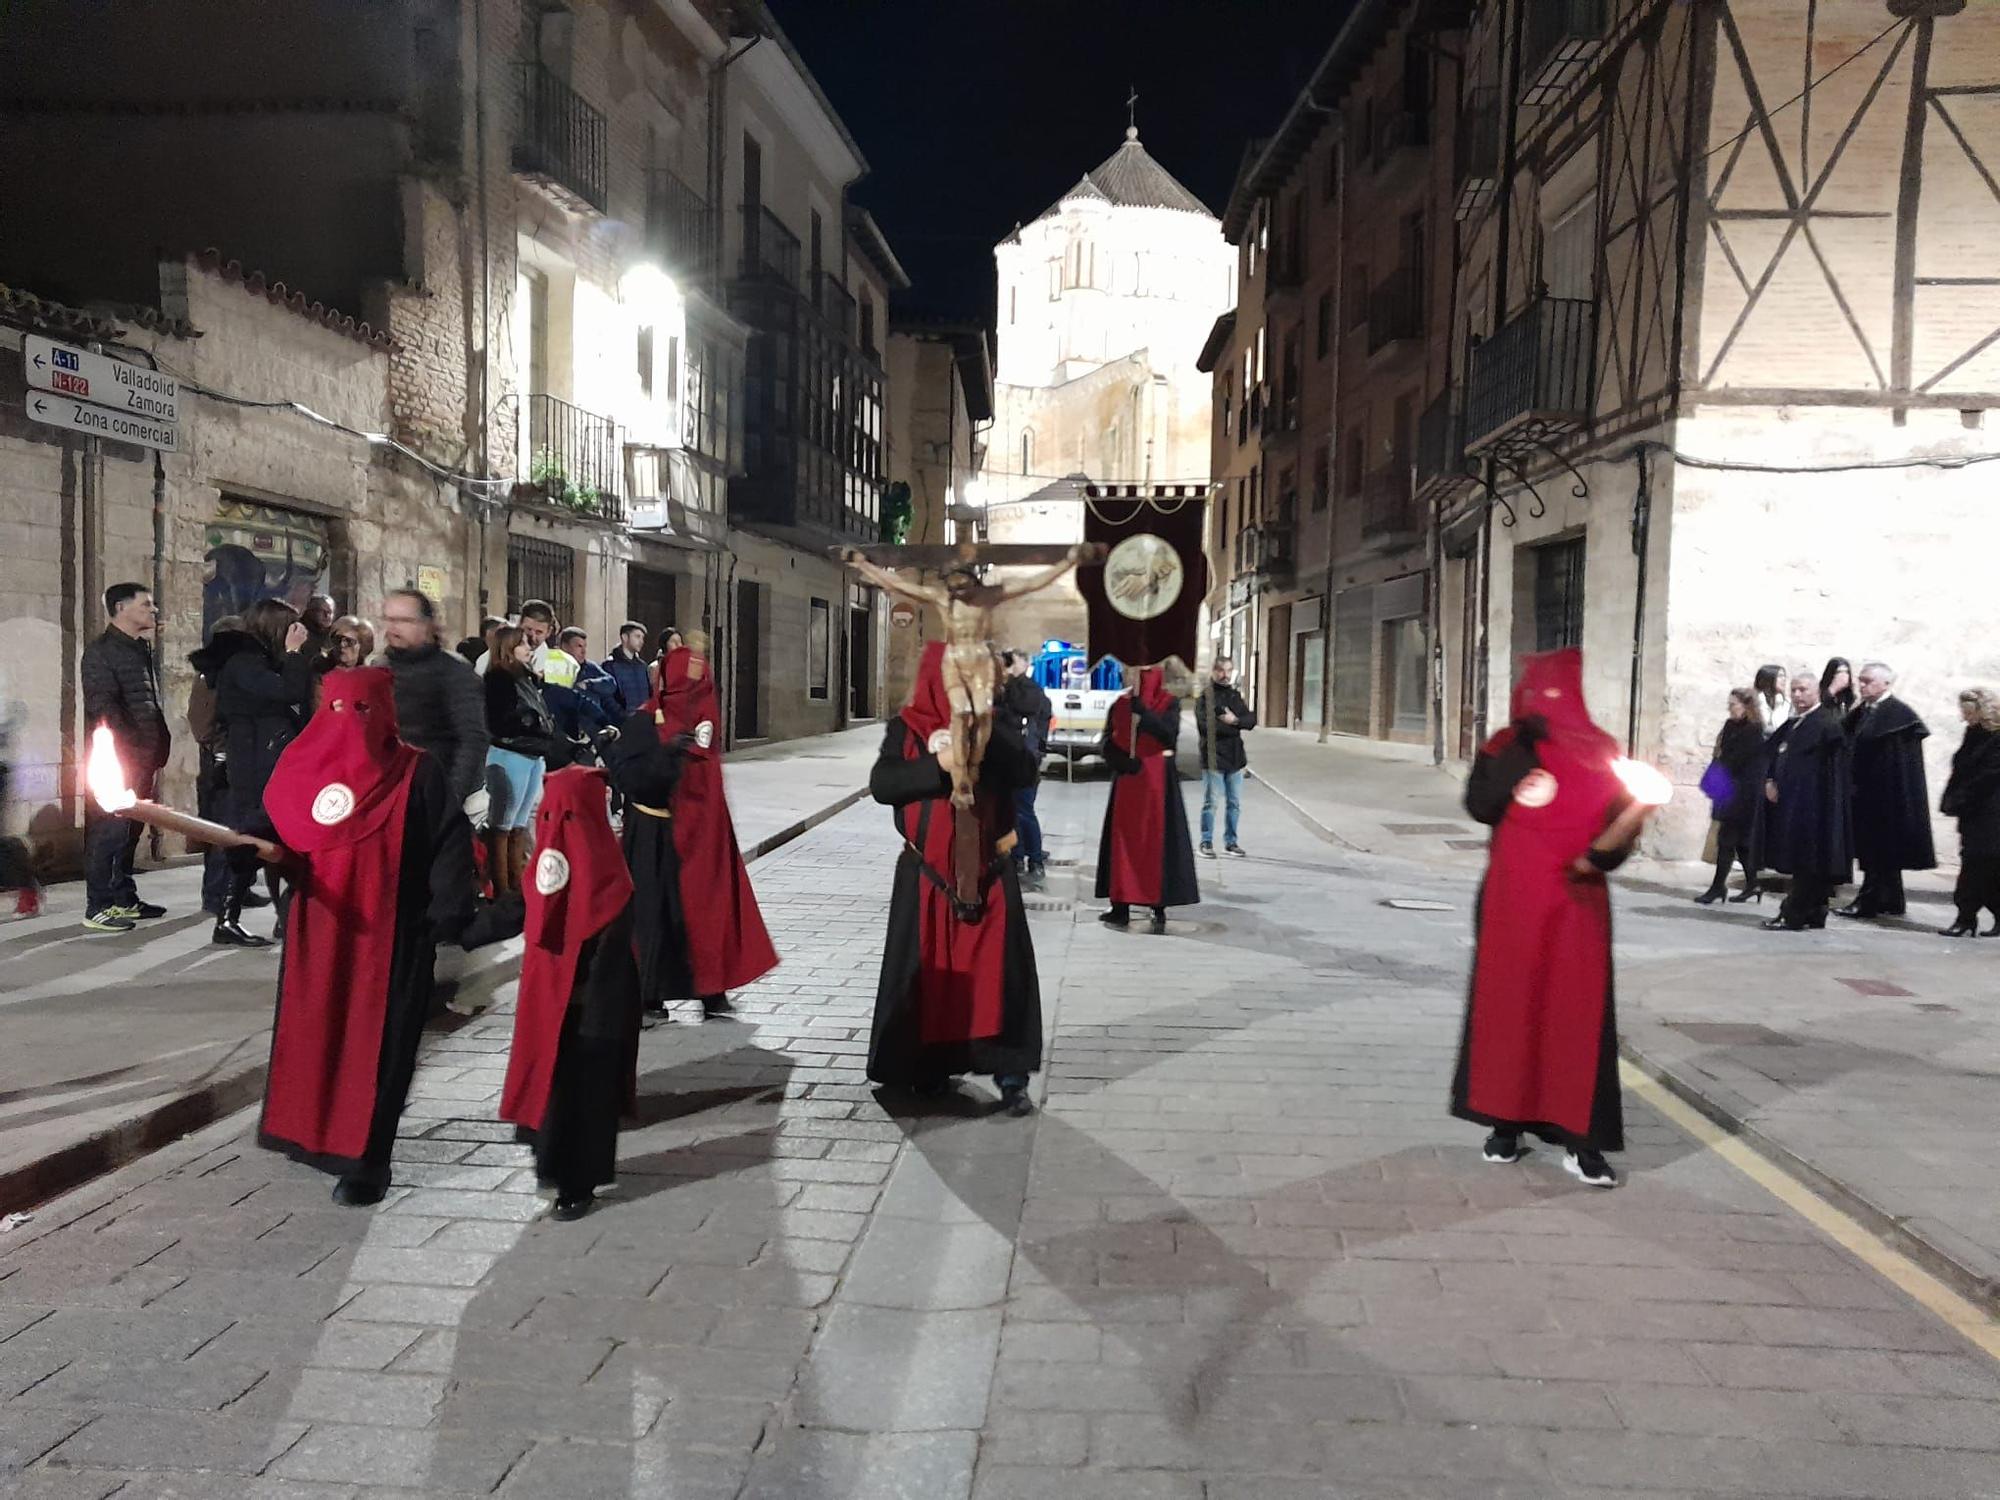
1241,1252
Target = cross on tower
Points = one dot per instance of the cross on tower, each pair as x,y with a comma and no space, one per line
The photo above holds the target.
1132,110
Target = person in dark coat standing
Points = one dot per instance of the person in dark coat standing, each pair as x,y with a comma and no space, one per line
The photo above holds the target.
121,690
384,873
263,681
1734,784
1539,1050
1972,796
1023,697
439,704
1808,827
1221,719
1892,802
645,765
627,666
1143,856
572,1068
959,992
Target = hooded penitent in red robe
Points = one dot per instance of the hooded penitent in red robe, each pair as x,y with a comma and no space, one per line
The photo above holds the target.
383,873
1539,1051
1144,857
573,1064
727,943
958,992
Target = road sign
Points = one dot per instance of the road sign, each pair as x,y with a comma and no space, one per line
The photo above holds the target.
101,380
99,421
902,614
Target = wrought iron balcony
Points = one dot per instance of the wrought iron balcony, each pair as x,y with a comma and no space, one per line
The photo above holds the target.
574,459
1558,40
836,304
1531,379
1387,507
1477,168
1400,138
1278,560
1440,444
1396,309
562,143
680,229
770,250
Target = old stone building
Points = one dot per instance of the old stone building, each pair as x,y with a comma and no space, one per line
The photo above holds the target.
1104,303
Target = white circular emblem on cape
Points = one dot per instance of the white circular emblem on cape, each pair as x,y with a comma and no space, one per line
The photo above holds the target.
704,733
334,802
1536,789
1143,576
551,872
939,742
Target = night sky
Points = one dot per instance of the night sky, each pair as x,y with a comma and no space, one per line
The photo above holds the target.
976,114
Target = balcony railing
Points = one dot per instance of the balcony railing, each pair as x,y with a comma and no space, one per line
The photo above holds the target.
1558,38
836,304
770,250
1387,508
1478,156
1395,309
1440,442
1532,377
680,228
1278,557
574,458
563,143
1400,136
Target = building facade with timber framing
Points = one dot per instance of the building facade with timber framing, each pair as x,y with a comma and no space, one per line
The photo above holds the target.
1723,327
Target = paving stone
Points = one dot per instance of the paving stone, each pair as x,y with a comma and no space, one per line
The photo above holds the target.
365,1396
1051,1439
177,1440
904,1264
180,1385
997,1482
433,1460
880,1466
881,1370
604,1471
27,1434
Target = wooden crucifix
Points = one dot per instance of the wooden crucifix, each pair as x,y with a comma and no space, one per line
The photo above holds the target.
965,606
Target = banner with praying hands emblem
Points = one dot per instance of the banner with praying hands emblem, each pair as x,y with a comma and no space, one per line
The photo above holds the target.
1145,598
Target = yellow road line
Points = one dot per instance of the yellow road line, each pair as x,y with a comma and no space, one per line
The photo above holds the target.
1965,1317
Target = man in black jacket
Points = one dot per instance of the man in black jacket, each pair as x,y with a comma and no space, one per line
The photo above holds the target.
1022,697
1892,803
1221,717
439,705
122,691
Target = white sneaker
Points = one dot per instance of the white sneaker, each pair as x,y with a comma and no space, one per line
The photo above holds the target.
1590,1168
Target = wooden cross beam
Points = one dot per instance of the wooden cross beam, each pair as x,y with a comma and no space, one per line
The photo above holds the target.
940,559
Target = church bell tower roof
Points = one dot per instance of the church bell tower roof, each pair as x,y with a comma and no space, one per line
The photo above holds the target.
1129,176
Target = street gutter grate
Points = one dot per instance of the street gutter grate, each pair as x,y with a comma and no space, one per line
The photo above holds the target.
1880,987
1731,1034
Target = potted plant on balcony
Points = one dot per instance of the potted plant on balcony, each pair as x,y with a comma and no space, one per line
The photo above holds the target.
549,483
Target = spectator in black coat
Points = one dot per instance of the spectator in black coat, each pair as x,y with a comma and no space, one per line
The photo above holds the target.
121,691
1972,796
263,681
1022,698
439,707
1221,718
1808,827
1734,783
1892,802
627,666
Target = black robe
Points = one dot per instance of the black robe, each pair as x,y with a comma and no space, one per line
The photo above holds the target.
1972,795
434,904
897,1055
1178,886
576,1149
1892,802
1809,830
1489,792
644,770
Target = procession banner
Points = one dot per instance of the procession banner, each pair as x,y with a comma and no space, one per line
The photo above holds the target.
1144,599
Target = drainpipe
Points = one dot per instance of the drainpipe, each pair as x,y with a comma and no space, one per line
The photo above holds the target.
1333,456
1642,532
482,506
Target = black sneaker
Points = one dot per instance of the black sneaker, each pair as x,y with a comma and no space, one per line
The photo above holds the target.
1237,850
1503,1149
111,919
1208,851
143,911
1590,1168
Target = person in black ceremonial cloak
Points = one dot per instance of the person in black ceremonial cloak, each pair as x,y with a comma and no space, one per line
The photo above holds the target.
959,992
573,1065
384,874
1808,830
1892,801
1144,857
644,767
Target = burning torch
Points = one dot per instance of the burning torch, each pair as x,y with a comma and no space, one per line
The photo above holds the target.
1649,790
106,780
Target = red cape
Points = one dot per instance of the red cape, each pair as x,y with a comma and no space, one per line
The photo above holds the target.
337,798
728,944
1542,975
580,885
961,966
1138,798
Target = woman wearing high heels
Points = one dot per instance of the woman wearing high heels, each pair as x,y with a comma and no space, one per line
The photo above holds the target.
1733,781
1973,797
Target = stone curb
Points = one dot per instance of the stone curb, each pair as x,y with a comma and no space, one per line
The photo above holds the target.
1713,1104
68,1167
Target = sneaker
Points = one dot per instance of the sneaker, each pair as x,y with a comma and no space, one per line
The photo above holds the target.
1590,1168
1208,851
111,919
28,903
140,911
1237,850
1503,1149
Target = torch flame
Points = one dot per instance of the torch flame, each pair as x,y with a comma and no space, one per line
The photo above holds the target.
104,776
1646,783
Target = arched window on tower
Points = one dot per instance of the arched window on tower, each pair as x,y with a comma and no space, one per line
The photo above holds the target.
1028,450
1010,303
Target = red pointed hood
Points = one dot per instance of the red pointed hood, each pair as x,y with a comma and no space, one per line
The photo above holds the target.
580,877
929,708
686,699
1550,688
336,783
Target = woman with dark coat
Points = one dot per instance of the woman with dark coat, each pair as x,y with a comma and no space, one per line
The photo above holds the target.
1972,795
263,679
1734,782
1144,856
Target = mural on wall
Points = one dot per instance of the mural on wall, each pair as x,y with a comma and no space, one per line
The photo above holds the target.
257,552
